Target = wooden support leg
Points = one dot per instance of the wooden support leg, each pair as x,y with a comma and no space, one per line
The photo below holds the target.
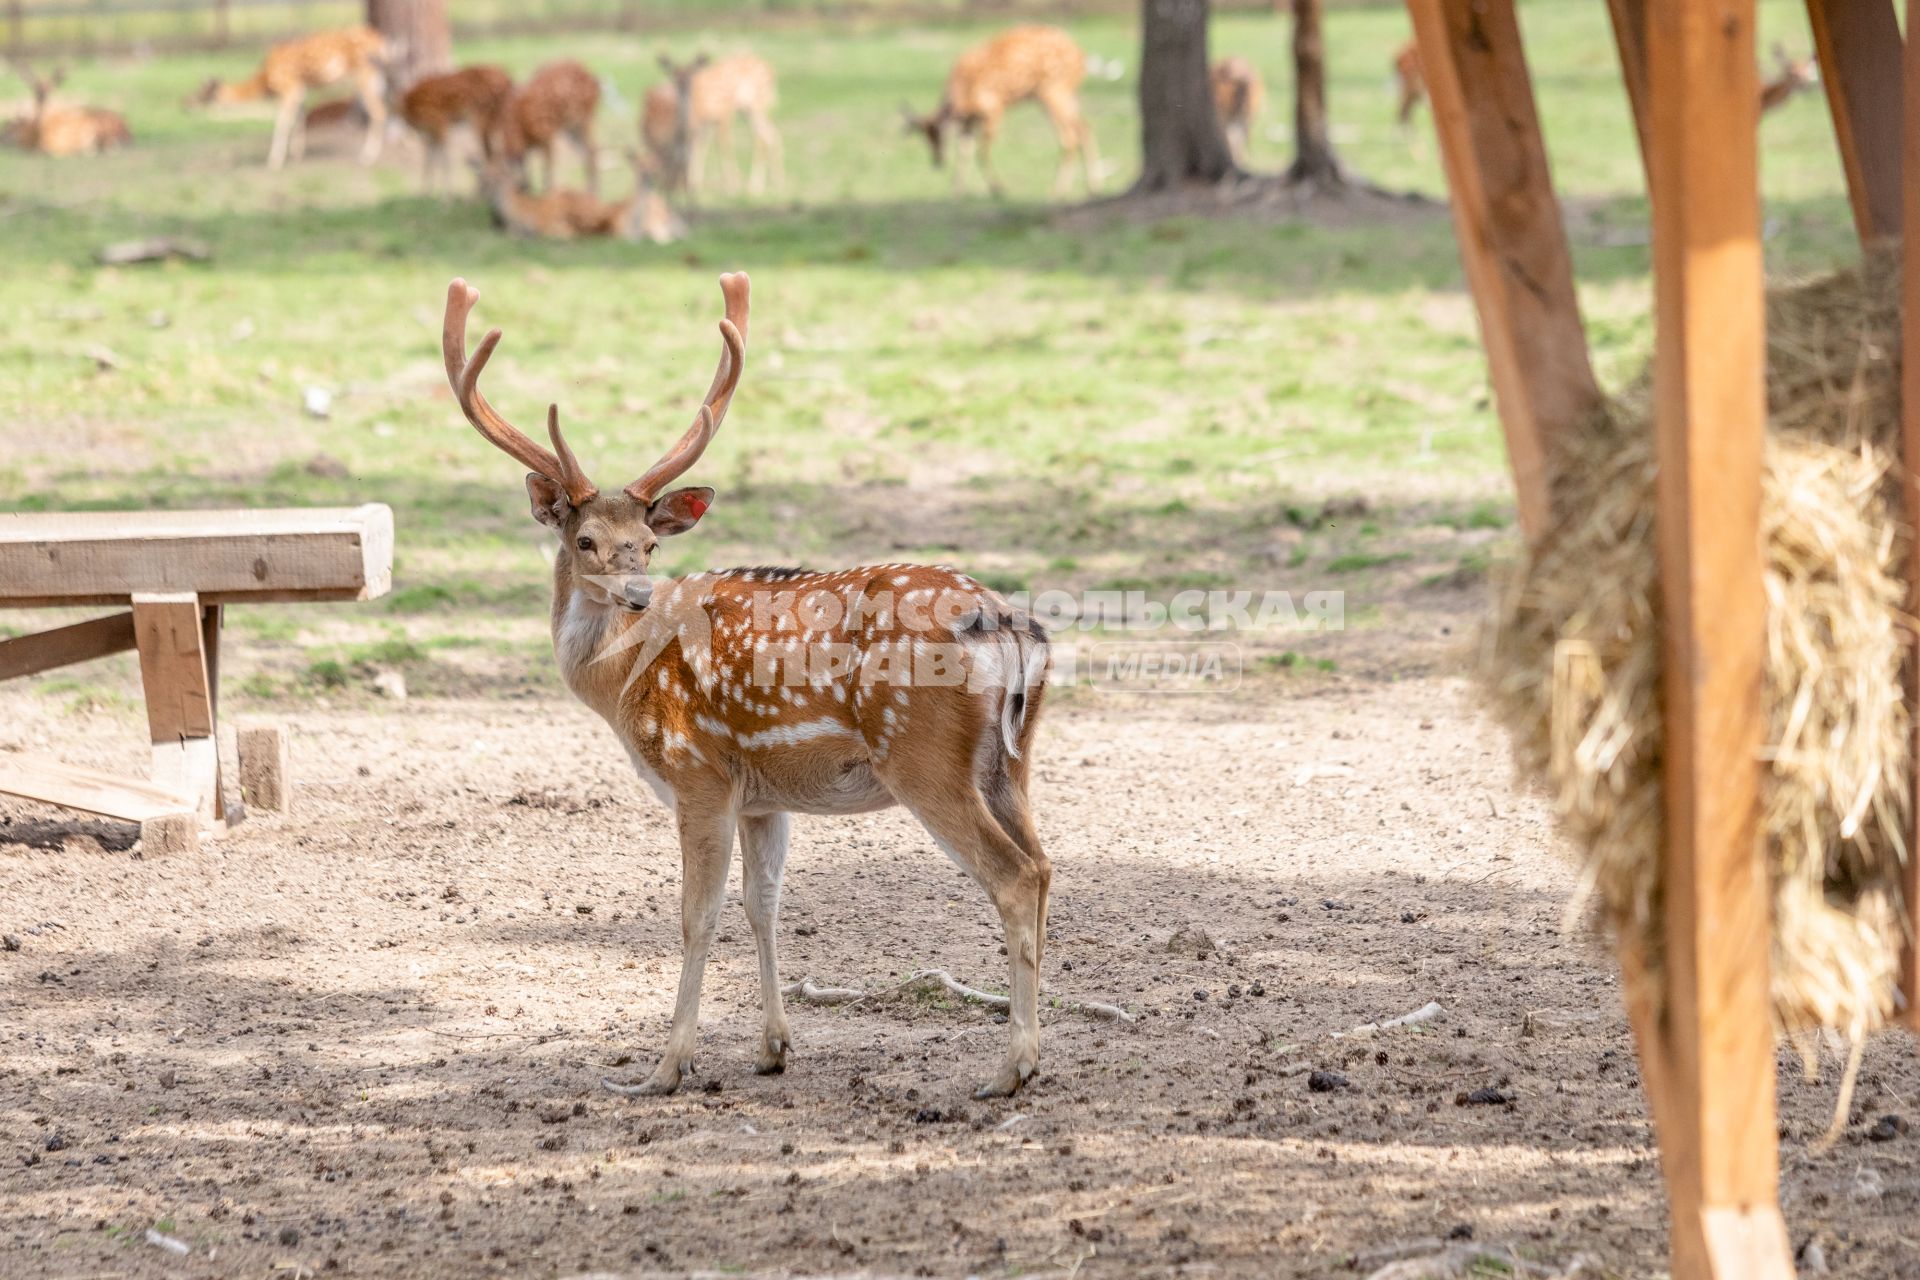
1709,1050
1910,455
1630,37
266,782
1858,42
1511,242
170,631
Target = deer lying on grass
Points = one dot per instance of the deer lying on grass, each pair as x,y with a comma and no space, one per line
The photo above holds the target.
313,62
1042,63
558,100
437,105
1238,96
684,118
1791,76
56,130
559,213
746,695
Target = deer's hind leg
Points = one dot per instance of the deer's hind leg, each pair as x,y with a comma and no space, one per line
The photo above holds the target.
1071,128
763,862
961,822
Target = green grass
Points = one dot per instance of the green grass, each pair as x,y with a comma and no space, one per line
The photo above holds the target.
958,380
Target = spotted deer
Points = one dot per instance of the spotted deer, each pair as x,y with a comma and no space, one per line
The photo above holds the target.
1041,63
1790,76
559,213
290,70
1239,94
559,100
745,695
57,130
695,110
437,105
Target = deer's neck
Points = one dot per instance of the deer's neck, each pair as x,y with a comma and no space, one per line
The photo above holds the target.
586,632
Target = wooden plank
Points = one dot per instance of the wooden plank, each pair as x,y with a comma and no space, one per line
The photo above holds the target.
88,790
63,646
169,630
224,556
173,665
1719,1139
1630,37
1512,246
1858,42
1910,474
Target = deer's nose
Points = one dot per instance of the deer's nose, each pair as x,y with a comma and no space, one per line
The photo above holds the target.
637,592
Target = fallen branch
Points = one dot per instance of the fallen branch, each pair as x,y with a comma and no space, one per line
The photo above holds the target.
1432,1011
154,249
940,979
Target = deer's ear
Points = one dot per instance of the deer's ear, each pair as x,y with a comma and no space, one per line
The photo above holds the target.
678,511
550,505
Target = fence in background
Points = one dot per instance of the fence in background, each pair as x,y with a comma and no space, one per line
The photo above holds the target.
131,26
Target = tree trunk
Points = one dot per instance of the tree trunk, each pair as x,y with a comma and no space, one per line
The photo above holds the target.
1313,157
419,38
1180,136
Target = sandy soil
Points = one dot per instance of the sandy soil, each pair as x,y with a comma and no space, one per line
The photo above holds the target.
367,1038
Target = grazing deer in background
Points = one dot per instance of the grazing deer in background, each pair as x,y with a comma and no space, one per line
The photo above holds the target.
436,105
561,214
558,100
1238,96
1042,63
1791,76
61,130
746,695
1410,80
695,110
313,62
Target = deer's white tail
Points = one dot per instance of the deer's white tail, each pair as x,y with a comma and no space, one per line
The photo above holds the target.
1026,662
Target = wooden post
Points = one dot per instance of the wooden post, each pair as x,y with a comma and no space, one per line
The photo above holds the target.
1511,242
1630,36
169,632
1910,456
1710,1050
1858,42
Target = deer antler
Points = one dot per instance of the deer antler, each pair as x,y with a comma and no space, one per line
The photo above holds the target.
463,375
713,410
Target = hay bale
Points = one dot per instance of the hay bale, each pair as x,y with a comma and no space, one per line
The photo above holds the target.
1571,661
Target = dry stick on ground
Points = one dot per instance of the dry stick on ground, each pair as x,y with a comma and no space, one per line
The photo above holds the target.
808,990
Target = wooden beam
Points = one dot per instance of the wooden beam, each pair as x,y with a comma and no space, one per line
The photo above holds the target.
1910,470
88,790
1630,37
63,646
168,628
95,557
1713,1054
1858,42
1512,245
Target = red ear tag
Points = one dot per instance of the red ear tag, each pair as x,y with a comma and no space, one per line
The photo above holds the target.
698,506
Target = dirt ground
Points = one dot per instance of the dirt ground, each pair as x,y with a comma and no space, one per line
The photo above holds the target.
366,1038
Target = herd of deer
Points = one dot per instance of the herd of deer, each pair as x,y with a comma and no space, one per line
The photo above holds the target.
683,119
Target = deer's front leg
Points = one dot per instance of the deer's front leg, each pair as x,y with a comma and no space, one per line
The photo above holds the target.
706,847
763,858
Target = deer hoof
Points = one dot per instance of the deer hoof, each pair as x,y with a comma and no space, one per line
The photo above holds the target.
1007,1083
664,1080
773,1057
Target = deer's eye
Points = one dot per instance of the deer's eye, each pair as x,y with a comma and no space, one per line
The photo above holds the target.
584,543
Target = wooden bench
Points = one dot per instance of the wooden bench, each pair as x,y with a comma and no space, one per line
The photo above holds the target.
176,571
